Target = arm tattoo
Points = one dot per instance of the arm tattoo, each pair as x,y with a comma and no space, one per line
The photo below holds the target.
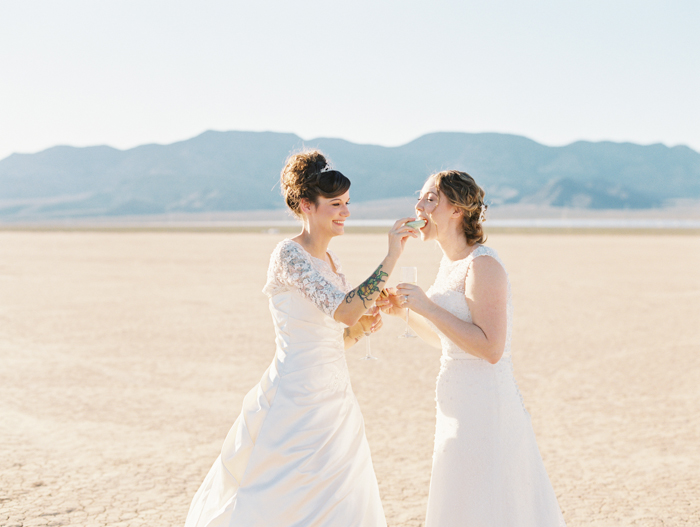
348,335
367,288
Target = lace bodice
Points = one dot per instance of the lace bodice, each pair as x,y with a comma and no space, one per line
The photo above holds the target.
291,267
449,293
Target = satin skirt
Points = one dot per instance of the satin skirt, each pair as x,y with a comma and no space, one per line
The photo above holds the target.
296,455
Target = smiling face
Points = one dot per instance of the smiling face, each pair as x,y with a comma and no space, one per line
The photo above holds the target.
436,209
328,215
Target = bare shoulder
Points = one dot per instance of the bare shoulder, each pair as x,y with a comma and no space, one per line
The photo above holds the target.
486,274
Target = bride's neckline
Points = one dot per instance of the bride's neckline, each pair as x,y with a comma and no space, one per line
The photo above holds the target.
333,266
464,258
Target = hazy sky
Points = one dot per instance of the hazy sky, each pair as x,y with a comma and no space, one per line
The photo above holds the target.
126,72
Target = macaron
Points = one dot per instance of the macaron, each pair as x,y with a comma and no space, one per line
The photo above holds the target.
416,224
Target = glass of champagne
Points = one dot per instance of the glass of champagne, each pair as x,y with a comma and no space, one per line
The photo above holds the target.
367,333
409,275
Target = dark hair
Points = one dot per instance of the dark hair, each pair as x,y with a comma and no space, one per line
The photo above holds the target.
308,175
462,191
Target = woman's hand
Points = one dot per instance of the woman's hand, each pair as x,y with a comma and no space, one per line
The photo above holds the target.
364,295
414,298
390,303
398,235
371,322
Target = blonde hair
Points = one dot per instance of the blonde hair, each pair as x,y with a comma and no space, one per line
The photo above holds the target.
307,175
462,191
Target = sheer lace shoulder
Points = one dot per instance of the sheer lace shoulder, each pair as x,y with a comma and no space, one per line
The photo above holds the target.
292,268
336,264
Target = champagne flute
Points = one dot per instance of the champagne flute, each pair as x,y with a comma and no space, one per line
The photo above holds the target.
409,275
367,333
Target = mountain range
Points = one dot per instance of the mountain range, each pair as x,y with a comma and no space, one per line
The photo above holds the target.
238,171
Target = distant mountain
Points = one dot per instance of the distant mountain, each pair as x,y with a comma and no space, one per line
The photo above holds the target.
234,171
591,194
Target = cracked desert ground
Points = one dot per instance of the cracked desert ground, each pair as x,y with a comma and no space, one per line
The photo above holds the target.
125,357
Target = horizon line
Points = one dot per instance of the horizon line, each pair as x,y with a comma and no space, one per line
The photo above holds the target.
211,130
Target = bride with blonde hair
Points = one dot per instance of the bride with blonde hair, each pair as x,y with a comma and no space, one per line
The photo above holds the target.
487,469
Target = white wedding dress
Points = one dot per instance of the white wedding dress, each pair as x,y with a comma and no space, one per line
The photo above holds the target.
487,469
297,455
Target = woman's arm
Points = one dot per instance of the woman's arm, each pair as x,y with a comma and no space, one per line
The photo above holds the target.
360,299
420,325
352,335
391,305
368,323
486,289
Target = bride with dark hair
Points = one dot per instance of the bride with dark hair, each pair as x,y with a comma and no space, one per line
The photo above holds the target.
297,455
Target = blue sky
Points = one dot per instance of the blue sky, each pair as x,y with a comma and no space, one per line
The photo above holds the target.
126,72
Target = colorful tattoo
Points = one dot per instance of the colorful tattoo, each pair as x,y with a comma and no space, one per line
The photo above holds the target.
367,288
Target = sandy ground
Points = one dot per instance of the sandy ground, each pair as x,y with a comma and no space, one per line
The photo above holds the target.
124,358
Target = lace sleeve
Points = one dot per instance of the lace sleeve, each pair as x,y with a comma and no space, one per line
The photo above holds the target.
295,269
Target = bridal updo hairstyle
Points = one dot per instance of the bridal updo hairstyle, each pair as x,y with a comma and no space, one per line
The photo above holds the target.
308,175
462,191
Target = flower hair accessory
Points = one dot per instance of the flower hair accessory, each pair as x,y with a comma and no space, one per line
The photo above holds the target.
482,215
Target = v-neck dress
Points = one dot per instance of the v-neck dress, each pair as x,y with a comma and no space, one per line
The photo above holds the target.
297,455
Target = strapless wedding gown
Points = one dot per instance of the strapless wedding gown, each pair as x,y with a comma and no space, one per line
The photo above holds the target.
487,469
297,454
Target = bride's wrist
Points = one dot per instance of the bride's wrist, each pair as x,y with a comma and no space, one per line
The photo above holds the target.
429,311
354,332
389,262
